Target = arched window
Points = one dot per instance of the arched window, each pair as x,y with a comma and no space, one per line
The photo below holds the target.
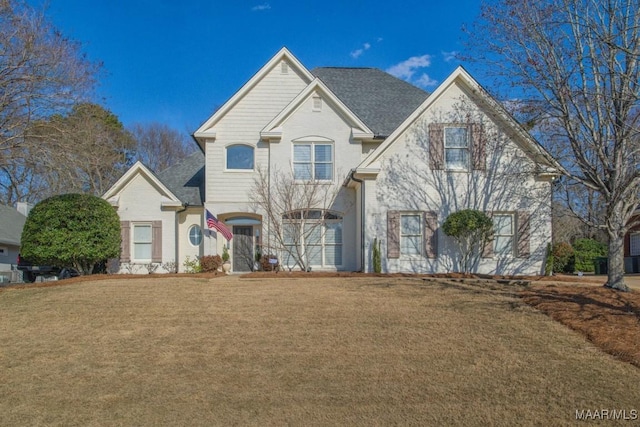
316,233
195,235
239,157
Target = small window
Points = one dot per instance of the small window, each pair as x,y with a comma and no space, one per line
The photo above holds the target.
4,251
634,244
313,161
456,148
503,234
240,157
195,235
142,241
410,234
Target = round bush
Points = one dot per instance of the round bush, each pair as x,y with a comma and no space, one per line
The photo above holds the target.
586,250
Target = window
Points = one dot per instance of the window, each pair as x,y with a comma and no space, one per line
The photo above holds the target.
318,232
240,157
313,161
634,244
503,234
195,235
4,251
456,148
410,234
142,242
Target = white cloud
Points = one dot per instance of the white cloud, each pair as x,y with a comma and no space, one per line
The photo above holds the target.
425,81
260,7
449,56
358,52
406,69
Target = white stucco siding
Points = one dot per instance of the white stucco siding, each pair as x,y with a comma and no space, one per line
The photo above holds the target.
192,216
242,125
406,183
140,202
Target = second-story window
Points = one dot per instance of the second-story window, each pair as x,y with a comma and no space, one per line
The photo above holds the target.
239,157
456,148
313,161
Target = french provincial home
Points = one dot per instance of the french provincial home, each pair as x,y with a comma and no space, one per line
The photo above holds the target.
398,161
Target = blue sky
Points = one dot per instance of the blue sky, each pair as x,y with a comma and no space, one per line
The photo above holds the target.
176,62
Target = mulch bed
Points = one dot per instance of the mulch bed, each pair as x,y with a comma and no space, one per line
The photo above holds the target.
609,319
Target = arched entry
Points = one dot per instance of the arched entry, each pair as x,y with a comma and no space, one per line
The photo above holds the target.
246,229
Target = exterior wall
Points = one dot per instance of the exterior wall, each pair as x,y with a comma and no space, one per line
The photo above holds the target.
185,220
140,201
406,182
326,124
10,257
242,124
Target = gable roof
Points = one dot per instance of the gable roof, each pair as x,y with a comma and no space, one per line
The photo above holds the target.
113,194
186,179
11,224
206,131
380,100
273,130
525,140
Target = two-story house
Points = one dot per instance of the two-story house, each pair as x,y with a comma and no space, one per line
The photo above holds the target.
393,160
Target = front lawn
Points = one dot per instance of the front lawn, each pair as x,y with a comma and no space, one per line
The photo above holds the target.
312,351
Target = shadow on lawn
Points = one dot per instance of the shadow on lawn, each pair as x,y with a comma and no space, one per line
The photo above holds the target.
608,318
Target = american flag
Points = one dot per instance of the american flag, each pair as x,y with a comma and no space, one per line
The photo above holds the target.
212,222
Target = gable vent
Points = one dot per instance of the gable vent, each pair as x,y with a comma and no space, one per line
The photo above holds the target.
317,103
284,67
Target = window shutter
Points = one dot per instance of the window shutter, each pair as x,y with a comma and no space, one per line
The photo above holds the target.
524,235
156,241
393,234
478,147
431,234
487,250
125,236
436,146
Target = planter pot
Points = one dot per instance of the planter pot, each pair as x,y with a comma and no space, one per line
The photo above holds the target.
226,267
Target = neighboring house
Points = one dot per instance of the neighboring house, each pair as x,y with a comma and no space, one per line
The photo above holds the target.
11,224
632,247
399,159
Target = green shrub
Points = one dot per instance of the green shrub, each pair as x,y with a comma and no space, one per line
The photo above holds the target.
586,250
192,265
563,258
377,261
210,263
71,230
470,229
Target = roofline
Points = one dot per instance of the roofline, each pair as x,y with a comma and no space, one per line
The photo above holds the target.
140,168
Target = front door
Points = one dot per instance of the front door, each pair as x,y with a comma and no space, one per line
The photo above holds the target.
243,248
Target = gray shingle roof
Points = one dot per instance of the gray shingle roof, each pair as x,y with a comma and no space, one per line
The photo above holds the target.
186,179
380,100
11,224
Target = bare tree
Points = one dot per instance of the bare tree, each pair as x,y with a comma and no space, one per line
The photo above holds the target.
296,212
41,71
578,59
158,146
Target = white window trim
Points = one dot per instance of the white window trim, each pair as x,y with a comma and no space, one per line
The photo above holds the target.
513,235
323,244
421,235
135,260
467,167
191,227
226,153
313,162
634,249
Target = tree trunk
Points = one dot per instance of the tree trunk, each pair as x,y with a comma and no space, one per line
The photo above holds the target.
615,279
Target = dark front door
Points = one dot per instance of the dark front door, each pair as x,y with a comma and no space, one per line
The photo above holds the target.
242,248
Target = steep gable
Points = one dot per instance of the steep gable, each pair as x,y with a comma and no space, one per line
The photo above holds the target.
260,99
139,170
460,77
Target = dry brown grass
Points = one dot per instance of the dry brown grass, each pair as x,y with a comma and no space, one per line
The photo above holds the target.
319,351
